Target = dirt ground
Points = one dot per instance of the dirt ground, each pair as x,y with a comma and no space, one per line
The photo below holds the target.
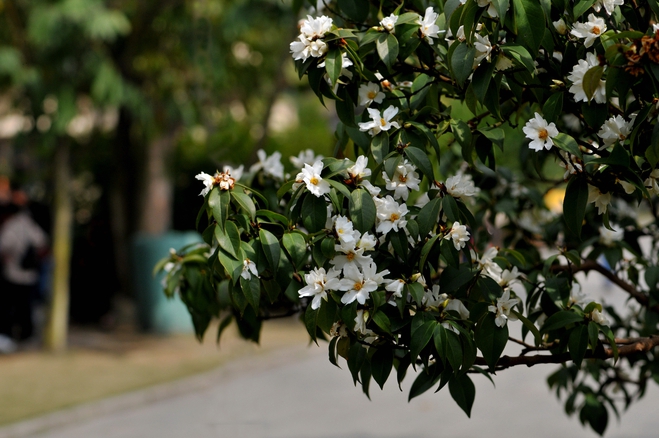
101,364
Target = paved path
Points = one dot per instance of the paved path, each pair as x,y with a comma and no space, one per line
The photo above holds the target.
297,393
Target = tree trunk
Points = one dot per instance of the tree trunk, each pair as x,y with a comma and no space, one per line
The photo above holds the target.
156,206
55,337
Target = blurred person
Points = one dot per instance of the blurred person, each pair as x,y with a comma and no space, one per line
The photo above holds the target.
22,245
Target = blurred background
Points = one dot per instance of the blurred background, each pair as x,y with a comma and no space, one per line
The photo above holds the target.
108,109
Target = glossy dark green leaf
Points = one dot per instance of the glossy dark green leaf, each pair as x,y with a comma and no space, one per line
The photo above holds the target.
245,202
560,319
420,338
314,213
530,23
362,210
218,201
296,246
463,391
491,339
574,204
382,362
462,62
387,47
578,343
420,159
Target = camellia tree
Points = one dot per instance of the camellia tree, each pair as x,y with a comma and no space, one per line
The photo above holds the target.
431,231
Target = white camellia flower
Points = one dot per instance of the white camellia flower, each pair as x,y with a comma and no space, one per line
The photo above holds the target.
360,322
301,48
369,93
609,237
459,235
483,48
390,215
307,156
502,310
540,133
461,185
380,122
404,179
271,165
314,28
570,166
429,28
652,182
487,265
560,26
249,269
576,76
208,181
591,30
456,305
614,129
360,169
601,200
396,287
356,284
350,254
389,23
491,10
609,5
597,317
318,283
344,230
311,177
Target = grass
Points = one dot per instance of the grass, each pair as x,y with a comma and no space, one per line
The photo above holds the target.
99,365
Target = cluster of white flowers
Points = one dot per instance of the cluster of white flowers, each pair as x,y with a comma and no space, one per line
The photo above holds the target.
459,235
503,309
577,75
310,41
615,129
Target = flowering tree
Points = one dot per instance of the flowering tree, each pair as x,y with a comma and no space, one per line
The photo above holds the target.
431,232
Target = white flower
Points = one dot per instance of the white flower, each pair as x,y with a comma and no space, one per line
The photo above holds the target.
369,93
483,48
459,235
491,10
396,287
357,285
404,179
428,29
457,306
614,129
360,169
314,28
487,265
390,215
571,167
311,177
360,322
389,23
651,182
590,30
576,76
307,156
560,26
344,230
609,5
318,283
540,133
271,165
208,181
461,185
508,276
367,242
597,317
627,187
301,48
503,308
380,122
608,237
249,269
601,200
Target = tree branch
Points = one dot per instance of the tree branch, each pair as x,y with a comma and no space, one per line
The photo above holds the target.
639,345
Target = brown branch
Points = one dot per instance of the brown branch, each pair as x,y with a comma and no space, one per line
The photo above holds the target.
591,265
638,346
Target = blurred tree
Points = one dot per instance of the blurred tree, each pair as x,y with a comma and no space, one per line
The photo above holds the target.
137,79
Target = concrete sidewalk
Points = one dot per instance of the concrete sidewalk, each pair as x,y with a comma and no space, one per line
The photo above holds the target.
296,392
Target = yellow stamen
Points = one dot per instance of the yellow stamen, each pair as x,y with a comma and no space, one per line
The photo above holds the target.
314,181
394,217
543,134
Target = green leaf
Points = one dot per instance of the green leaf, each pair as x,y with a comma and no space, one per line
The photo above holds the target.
381,364
271,248
428,217
553,107
581,7
229,239
591,80
574,204
567,143
252,290
462,62
314,213
334,64
521,55
356,358
415,290
420,338
245,202
356,10
463,391
491,339
387,47
310,322
578,343
296,246
425,380
481,79
362,210
530,23
451,210
218,201
461,131
420,159
560,319
380,147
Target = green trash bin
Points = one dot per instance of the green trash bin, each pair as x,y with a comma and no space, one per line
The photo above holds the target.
155,312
